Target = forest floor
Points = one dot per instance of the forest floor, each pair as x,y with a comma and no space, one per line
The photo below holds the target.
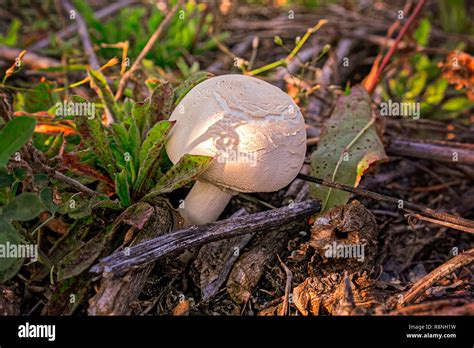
408,265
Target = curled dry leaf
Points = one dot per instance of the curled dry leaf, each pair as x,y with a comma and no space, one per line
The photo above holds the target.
306,297
182,308
10,302
328,293
459,71
345,238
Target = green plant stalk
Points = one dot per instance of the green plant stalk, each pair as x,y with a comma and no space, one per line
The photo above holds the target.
267,67
41,255
293,53
42,224
305,38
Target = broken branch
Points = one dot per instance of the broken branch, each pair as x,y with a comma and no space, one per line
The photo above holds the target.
201,234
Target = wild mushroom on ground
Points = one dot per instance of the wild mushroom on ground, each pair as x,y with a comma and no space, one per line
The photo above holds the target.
254,131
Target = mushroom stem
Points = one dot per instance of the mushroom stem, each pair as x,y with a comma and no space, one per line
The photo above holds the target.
204,203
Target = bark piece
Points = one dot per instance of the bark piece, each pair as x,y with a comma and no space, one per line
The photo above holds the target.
215,260
149,251
9,302
117,294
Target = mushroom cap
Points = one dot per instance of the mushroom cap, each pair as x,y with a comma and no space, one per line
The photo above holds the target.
254,130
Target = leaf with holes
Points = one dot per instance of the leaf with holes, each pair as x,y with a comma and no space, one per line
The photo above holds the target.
348,145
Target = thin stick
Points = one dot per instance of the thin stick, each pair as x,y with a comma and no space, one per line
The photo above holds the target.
437,274
373,82
292,54
161,28
443,151
195,235
71,29
67,180
84,34
289,279
386,42
441,222
467,225
30,59
38,166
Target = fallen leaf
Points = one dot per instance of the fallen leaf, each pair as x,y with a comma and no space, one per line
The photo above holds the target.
348,145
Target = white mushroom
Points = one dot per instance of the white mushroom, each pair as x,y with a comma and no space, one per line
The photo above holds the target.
254,131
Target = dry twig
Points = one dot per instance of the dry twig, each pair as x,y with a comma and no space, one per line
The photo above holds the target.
161,28
84,34
289,279
201,234
442,271
437,217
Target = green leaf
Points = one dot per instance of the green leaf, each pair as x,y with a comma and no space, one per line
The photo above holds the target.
80,259
396,88
77,206
120,135
150,152
94,135
189,84
23,207
134,143
348,145
457,104
136,215
141,115
9,266
183,67
277,40
161,102
415,85
6,180
105,94
422,62
422,33
14,135
152,83
434,93
11,39
56,146
122,188
46,197
39,98
128,147
186,170
107,204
